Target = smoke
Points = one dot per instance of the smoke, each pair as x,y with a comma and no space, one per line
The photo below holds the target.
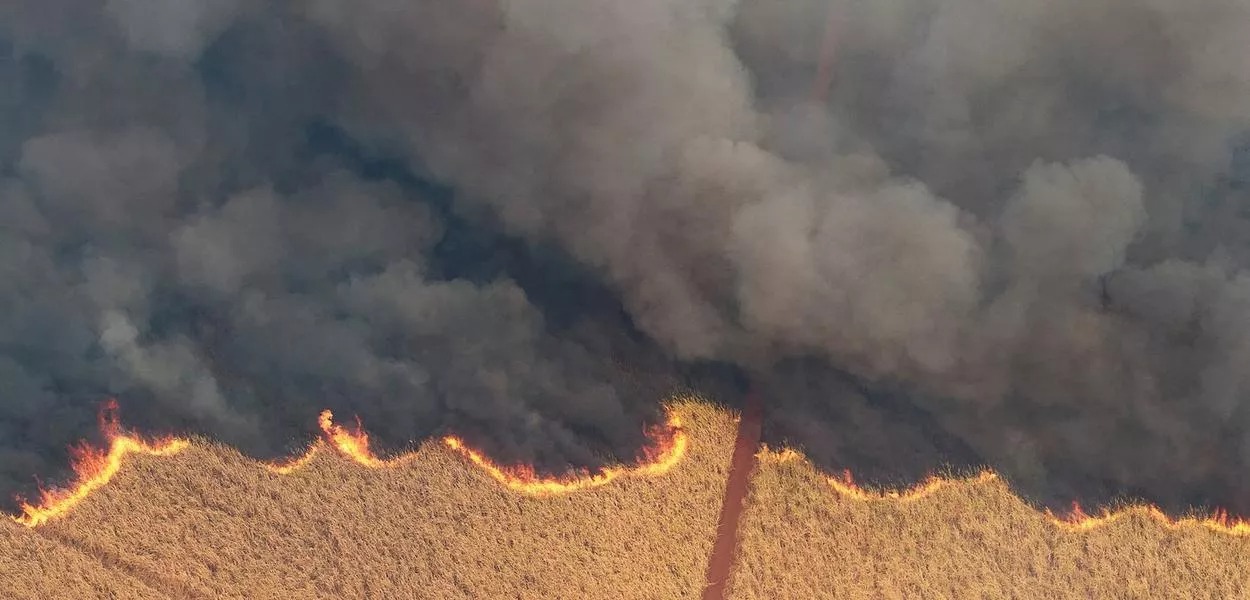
1011,234
184,229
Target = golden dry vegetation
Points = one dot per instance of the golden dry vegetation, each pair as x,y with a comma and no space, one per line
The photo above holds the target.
802,539
211,523
31,565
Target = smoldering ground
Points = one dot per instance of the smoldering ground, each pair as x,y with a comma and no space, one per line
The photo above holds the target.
1012,234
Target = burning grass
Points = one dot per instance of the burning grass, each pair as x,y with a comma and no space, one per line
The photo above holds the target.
806,535
208,522
95,467
446,522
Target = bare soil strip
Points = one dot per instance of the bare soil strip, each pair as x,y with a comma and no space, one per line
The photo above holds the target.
742,464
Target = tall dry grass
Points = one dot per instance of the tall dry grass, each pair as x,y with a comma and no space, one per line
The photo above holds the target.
973,539
34,567
211,523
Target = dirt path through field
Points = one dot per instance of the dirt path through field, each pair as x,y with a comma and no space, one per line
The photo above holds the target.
742,464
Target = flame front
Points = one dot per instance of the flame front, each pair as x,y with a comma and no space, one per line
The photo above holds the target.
351,443
846,486
1219,521
1077,520
292,465
669,446
94,468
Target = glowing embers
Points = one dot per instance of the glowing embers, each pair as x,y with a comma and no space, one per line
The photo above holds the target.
94,467
1219,521
668,446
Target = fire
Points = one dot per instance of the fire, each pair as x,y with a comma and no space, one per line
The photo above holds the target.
1077,520
94,467
846,486
1219,521
352,443
778,456
670,445
287,467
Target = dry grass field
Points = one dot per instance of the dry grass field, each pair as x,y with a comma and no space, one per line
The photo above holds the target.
803,539
209,523
34,566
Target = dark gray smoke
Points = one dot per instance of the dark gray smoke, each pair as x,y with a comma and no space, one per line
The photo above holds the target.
1013,234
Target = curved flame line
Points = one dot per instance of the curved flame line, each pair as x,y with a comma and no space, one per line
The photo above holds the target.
662,457
94,467
1078,520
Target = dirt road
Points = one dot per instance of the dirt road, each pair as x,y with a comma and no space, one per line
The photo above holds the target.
743,462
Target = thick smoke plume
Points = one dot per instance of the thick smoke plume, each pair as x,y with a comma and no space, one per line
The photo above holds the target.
1008,233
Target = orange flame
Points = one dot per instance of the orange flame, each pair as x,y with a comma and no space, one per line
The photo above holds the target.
1219,521
784,455
1077,520
94,468
668,449
846,486
352,443
292,465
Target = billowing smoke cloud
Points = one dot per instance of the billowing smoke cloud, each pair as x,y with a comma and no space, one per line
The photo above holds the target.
1012,233
183,229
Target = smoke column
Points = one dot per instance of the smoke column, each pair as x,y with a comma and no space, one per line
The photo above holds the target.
1011,234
